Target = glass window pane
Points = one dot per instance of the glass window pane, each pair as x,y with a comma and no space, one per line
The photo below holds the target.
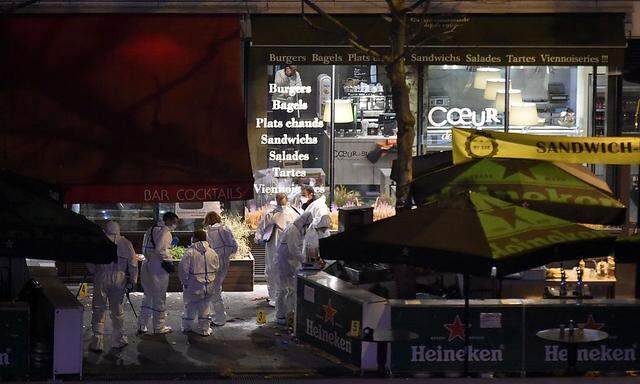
289,144
550,100
460,96
132,217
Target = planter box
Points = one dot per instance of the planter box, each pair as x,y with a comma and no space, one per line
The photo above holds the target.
239,277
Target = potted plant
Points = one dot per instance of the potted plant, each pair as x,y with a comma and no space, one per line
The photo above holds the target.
240,274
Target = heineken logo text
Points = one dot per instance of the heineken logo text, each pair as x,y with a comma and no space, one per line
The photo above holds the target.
601,353
420,354
513,244
330,337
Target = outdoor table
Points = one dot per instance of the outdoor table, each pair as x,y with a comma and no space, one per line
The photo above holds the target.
382,338
572,340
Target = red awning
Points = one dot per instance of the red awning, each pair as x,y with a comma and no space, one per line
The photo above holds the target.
125,108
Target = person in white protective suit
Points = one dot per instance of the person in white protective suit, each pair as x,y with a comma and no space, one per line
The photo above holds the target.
109,284
310,203
197,272
221,240
290,258
155,273
268,233
319,229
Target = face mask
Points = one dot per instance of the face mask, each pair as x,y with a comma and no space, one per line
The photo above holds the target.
173,227
304,199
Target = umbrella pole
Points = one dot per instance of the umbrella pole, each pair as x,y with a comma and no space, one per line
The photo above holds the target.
465,288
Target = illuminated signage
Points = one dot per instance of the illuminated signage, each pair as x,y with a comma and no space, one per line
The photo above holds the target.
441,116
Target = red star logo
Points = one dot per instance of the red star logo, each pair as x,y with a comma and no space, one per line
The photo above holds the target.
456,330
329,312
591,324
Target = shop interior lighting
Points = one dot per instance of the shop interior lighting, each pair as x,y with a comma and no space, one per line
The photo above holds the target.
343,114
515,96
523,114
492,88
483,74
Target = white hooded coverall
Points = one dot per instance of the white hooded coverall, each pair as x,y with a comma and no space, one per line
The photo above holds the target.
154,278
290,258
221,240
197,272
318,208
276,220
109,284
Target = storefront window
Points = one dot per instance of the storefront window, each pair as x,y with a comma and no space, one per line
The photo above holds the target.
131,217
630,126
365,146
553,90
549,100
460,96
292,139
328,126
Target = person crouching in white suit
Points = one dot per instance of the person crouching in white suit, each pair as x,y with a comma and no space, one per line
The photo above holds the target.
221,240
197,272
109,285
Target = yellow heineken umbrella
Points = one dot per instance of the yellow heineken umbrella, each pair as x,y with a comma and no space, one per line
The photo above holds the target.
469,233
568,191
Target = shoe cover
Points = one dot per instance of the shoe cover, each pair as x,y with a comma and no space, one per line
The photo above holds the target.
163,330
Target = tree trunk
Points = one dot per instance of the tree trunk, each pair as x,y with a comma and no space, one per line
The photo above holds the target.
397,74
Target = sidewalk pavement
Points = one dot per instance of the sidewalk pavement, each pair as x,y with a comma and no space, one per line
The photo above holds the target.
240,352
241,348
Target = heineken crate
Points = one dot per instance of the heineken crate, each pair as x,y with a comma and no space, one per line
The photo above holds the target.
619,318
495,336
14,341
330,312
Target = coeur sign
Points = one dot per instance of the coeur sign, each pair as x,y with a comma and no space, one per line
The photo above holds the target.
462,117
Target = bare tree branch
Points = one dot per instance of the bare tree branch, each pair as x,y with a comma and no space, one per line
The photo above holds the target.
349,34
394,11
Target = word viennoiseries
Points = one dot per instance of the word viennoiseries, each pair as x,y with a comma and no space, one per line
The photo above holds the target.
471,144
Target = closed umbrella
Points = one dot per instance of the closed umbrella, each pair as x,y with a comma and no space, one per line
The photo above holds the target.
567,191
34,225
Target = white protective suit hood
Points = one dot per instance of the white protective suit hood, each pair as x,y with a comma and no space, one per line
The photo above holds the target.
322,225
201,246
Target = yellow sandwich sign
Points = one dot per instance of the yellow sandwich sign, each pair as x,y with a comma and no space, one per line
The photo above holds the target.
471,144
